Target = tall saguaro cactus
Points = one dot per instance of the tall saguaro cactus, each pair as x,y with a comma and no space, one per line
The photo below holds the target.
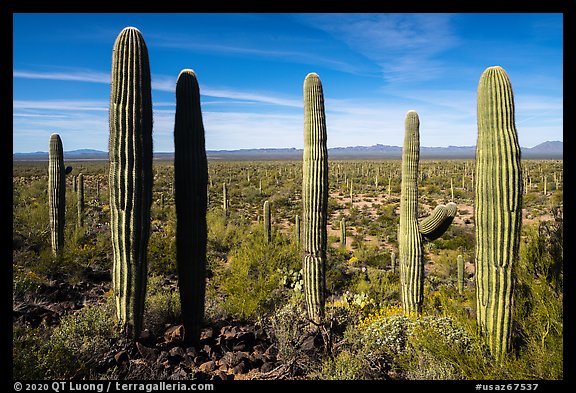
497,208
56,192
130,176
411,233
314,197
191,186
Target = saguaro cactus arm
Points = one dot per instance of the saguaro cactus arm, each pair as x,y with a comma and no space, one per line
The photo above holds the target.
438,222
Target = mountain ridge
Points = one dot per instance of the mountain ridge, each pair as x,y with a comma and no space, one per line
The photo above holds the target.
545,150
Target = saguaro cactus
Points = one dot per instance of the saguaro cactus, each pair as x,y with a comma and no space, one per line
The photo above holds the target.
80,199
130,176
267,221
460,266
225,199
314,197
393,262
191,185
497,209
56,192
297,229
411,233
343,232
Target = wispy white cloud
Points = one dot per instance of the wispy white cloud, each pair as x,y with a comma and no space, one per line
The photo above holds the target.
160,83
60,105
405,46
75,75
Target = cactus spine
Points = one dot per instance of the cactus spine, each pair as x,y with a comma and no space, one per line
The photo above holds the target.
56,192
460,266
411,233
267,222
191,185
130,176
314,197
497,208
80,200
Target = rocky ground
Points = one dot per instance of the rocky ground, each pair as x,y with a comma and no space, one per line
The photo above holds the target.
227,349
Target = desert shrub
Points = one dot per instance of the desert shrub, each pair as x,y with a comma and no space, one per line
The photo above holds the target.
70,350
344,366
290,325
162,253
251,283
455,238
538,318
162,303
223,234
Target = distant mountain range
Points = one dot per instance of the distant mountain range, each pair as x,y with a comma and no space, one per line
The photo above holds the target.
547,150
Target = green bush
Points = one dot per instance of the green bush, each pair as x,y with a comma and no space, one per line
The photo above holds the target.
162,304
70,350
251,282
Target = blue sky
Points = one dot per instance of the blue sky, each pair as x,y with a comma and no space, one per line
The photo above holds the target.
251,69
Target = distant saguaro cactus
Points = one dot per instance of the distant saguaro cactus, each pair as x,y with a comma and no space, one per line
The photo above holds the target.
225,199
80,200
343,232
460,266
497,208
130,176
411,233
393,262
191,185
267,221
56,192
314,197
297,224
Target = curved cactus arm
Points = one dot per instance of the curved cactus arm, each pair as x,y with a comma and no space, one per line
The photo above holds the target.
438,222
429,226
